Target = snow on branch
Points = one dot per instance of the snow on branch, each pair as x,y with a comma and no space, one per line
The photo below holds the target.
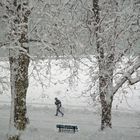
127,76
3,44
131,80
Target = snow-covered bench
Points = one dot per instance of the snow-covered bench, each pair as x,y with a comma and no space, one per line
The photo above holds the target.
69,128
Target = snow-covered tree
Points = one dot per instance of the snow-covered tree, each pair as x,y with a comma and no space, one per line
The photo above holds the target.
17,13
116,26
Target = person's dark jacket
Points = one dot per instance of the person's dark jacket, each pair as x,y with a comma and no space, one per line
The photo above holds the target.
58,103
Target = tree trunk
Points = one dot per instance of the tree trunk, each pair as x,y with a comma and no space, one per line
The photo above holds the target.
106,113
19,63
106,95
19,85
106,116
106,66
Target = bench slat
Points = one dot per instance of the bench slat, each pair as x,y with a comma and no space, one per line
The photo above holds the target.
67,127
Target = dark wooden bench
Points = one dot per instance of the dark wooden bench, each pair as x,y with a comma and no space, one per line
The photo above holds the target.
68,128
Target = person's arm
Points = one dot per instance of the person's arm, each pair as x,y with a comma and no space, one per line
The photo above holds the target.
56,103
60,103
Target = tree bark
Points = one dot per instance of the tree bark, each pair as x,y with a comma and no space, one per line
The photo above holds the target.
105,91
106,112
19,85
106,66
19,63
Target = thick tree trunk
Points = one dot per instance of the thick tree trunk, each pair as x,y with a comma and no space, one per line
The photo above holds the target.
106,96
106,116
106,66
19,63
106,113
19,84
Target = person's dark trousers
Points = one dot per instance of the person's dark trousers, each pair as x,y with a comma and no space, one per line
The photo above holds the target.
58,111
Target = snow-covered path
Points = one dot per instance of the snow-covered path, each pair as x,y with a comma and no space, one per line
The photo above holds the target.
126,125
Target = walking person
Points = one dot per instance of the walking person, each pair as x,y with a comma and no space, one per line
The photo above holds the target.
58,107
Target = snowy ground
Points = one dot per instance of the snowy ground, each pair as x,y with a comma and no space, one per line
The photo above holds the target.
126,125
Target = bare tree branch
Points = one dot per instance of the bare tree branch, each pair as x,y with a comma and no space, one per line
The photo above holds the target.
133,81
125,77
